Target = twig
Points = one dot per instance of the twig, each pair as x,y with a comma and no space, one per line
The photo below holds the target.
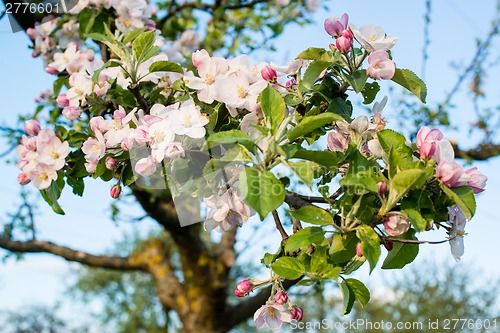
411,241
140,99
296,225
279,226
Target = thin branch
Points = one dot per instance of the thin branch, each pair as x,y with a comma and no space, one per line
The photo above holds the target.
37,246
296,225
411,241
279,226
140,99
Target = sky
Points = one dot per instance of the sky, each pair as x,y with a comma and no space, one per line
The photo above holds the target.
42,279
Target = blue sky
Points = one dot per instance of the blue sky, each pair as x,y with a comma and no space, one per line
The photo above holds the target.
454,27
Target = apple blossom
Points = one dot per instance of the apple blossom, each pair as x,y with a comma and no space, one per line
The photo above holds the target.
71,112
110,163
343,44
334,26
62,100
396,224
475,180
268,73
373,38
457,221
23,178
382,188
381,67
273,315
115,191
450,173
188,120
146,166
337,141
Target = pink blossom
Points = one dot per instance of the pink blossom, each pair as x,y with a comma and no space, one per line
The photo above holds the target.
334,26
359,250
146,166
71,112
243,288
450,173
273,315
23,178
382,188
396,224
425,134
372,37
268,73
337,141
476,180
91,166
110,163
281,297
62,100
188,120
381,66
343,44
94,148
457,221
42,176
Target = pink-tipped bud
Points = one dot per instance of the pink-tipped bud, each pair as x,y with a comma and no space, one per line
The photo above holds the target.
31,33
343,44
297,313
32,127
115,191
71,112
396,224
51,70
281,297
23,179
150,24
127,143
348,34
243,288
427,149
382,188
268,73
359,250
62,100
110,163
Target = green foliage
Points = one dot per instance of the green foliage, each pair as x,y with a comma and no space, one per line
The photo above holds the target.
412,82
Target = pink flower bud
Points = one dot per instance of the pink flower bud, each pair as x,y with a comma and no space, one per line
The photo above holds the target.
51,70
334,25
427,149
146,166
281,297
30,143
32,127
381,66
22,163
71,112
382,188
150,24
127,143
23,178
62,100
425,134
115,191
450,173
396,224
337,142
243,288
343,44
297,313
31,33
91,166
268,73
348,34
110,163
359,250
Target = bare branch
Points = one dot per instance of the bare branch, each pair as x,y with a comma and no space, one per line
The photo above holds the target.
279,226
37,246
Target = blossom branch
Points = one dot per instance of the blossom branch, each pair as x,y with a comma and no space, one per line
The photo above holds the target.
411,241
279,226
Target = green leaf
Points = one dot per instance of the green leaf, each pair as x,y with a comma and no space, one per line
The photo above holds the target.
313,72
369,92
324,157
262,190
308,124
401,254
315,53
401,183
110,63
463,197
305,237
362,294
288,268
343,247
348,297
50,195
273,107
133,34
409,80
357,80
339,106
416,219
232,136
303,170
319,265
392,140
370,244
165,66
142,44
313,214
360,183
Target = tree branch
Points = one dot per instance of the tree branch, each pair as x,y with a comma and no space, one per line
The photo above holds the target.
36,246
482,152
279,226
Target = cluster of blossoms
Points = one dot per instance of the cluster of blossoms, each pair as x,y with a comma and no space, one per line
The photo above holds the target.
278,309
371,37
42,155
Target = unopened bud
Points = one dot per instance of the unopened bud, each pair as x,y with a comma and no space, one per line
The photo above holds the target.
71,112
110,163
281,297
23,179
297,313
115,191
51,70
243,288
382,188
396,224
32,127
62,100
268,73
343,44
359,250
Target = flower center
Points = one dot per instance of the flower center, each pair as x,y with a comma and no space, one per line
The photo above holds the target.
271,313
209,79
